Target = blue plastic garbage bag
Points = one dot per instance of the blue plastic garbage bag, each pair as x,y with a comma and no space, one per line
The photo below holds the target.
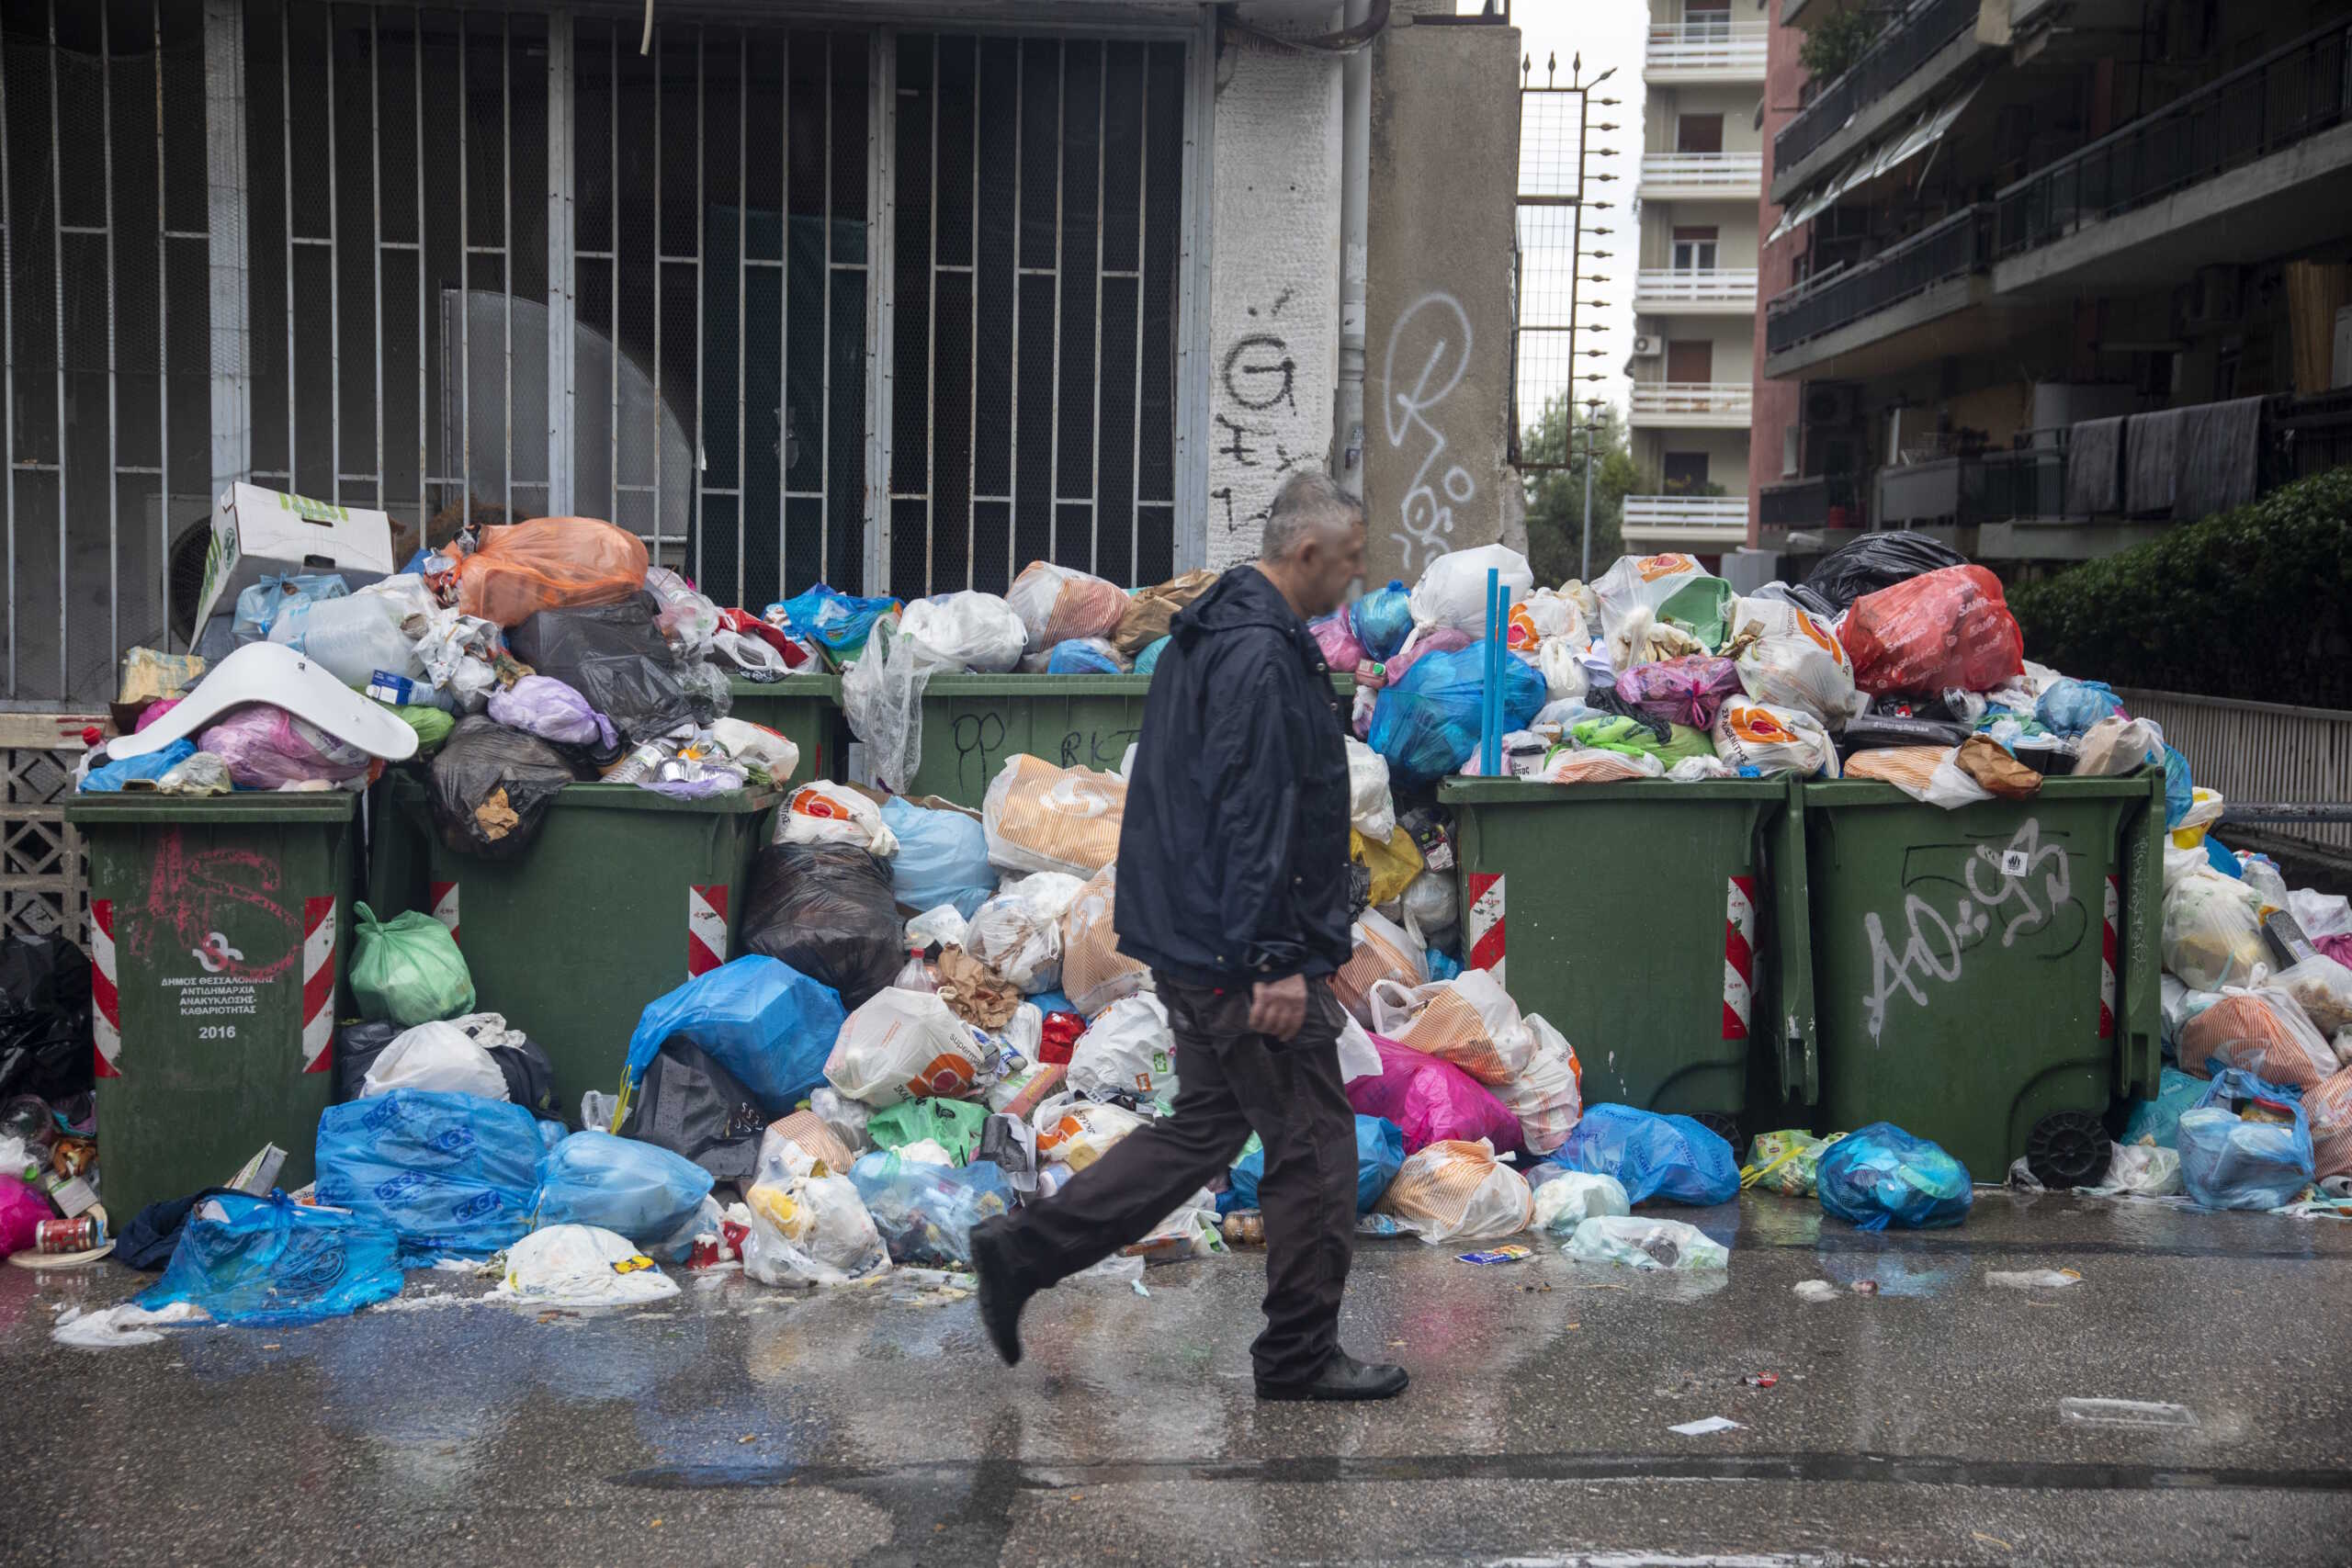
943,858
2070,706
1652,1156
2228,1162
1083,655
107,778
1148,660
1881,1176
451,1174
2158,1120
1051,1002
2179,792
1442,965
926,1212
1427,724
268,1262
1382,619
259,606
759,1018
837,621
1380,1154
640,1190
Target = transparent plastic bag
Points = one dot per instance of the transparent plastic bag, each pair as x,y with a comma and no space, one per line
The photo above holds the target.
762,1020
1547,1094
1018,934
966,631
640,1190
1095,974
1947,627
1790,658
1380,1154
925,1213
882,698
259,606
1880,1176
1041,818
1057,604
905,1045
2321,988
1457,1192
941,858
407,969
2245,1145
810,1230
1426,722
549,563
1076,1132
824,812
1128,1050
350,638
273,1263
1774,739
1566,1198
687,619
1639,1241
1384,951
2262,1033
265,747
2212,935
1085,656
546,708
1469,1020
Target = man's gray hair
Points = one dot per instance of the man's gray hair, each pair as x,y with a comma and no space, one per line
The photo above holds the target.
1309,499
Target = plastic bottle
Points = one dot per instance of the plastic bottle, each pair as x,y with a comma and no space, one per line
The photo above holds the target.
639,764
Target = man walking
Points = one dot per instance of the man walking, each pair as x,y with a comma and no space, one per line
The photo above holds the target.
1233,886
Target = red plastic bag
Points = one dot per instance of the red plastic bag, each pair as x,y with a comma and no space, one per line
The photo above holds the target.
1940,629
1432,1101
550,563
1680,691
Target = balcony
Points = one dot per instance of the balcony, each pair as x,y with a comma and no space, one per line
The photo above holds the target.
1823,501
1727,176
1906,46
1692,405
1685,292
1997,487
1702,524
1706,52
1952,251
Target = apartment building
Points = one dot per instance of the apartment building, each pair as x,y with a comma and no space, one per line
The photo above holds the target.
1694,297
2056,274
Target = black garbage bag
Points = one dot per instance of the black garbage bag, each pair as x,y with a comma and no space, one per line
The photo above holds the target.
615,655
45,1017
1876,562
1871,732
1797,593
530,1077
827,910
1603,698
490,787
357,1046
691,1105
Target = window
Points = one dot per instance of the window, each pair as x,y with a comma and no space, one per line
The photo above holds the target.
1699,133
1684,473
1694,249
1691,362
1707,19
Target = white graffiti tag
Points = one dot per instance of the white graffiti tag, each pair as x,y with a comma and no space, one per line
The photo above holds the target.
1433,336
1935,943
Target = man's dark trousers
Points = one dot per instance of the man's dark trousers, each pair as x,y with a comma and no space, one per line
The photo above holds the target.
1230,1081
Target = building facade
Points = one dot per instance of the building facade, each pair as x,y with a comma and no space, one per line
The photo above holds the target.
1695,293
2048,276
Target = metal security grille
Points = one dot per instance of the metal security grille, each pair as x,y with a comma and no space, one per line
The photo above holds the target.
1035,210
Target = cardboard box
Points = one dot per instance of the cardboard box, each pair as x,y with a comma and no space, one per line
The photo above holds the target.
255,531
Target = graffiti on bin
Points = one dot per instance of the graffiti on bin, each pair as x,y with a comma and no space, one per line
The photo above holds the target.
190,901
2025,889
980,749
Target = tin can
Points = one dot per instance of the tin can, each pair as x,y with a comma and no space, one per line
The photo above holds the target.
78,1235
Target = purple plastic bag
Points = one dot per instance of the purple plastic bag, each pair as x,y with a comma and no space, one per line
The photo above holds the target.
1680,691
265,747
551,709
1337,640
1433,1100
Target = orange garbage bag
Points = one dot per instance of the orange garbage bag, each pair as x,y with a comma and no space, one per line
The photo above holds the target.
549,563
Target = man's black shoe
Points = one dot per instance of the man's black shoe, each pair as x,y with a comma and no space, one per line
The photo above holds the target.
1342,1377
1002,1296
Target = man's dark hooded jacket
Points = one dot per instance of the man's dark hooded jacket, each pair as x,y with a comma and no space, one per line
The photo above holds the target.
1233,857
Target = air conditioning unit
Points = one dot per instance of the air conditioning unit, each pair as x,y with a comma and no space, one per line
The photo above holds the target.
2213,297
1648,345
1832,406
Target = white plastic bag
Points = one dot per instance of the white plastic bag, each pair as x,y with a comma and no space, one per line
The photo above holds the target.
1793,661
966,631
1358,1057
2142,1170
687,619
2118,745
1384,951
1547,1094
439,1056
580,1266
2320,914
2321,988
1453,588
1566,1200
1697,770
904,1045
2212,932
1561,666
1076,1132
1040,818
810,1230
350,638
1192,1231
1433,902
843,1117
824,812
1469,1020
1638,1241
1450,1192
944,924
1543,618
1774,739
1128,1050
1370,809
747,742
1018,932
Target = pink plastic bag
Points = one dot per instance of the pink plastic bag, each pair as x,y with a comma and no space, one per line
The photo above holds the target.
1433,1100
2337,947
1680,691
1337,641
154,711
21,1212
1444,640
265,747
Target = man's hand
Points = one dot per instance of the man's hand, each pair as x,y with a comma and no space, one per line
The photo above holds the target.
1278,1007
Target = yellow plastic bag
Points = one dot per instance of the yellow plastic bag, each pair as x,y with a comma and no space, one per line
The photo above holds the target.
1393,864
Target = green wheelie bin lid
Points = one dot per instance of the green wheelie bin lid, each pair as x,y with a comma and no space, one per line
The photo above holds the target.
1986,976
219,934
1644,922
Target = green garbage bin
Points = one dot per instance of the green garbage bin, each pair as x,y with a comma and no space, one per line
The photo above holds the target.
807,711
625,895
1986,976
221,931
972,723
1646,921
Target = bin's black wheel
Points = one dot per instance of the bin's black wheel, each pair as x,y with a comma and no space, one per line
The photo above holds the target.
2068,1148
1722,1126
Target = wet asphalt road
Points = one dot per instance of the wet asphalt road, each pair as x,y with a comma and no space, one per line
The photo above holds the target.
736,1424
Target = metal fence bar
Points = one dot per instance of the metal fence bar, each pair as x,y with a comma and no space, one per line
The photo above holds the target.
742,273
2260,752
424,508
114,419
1013,463
376,250
162,345
1061,238
1101,150
784,323
57,255
464,287
334,289
1143,266
693,512
8,366
505,246
972,355
613,293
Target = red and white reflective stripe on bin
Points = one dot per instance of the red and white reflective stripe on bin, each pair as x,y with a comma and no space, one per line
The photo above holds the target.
445,904
318,983
2107,959
706,928
106,1019
1487,944
1739,956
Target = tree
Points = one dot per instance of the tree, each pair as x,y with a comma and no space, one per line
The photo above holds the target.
1837,43
1555,496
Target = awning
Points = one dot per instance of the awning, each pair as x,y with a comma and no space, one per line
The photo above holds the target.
1878,159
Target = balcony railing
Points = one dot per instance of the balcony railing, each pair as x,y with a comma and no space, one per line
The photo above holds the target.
1658,288
1802,503
1706,48
1956,247
1703,174
1723,518
1692,402
1997,487
2285,97
1909,43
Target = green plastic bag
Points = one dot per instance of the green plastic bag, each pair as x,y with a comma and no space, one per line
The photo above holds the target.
431,724
954,1124
1633,739
408,969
